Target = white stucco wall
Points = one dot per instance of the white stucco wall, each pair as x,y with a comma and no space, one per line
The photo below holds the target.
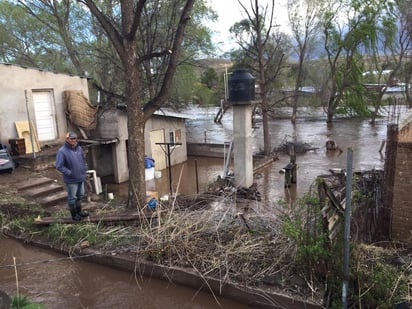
15,80
113,124
169,124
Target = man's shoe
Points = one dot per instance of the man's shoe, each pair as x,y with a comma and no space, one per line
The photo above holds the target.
82,214
76,217
79,210
73,212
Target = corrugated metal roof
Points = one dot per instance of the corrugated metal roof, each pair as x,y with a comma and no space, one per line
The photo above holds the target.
40,70
173,114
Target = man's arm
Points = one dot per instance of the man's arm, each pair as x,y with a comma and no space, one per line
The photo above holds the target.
60,164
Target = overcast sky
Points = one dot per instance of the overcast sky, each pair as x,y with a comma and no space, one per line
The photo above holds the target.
230,12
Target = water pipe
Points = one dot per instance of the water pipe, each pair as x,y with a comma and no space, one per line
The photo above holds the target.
97,187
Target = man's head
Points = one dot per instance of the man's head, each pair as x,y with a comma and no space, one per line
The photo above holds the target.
71,138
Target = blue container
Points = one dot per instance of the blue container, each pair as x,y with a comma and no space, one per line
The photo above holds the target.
148,162
152,203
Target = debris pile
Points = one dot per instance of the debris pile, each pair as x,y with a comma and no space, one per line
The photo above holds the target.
225,187
289,142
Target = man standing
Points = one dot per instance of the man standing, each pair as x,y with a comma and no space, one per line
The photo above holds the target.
70,162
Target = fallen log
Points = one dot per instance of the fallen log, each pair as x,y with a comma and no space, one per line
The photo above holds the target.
134,218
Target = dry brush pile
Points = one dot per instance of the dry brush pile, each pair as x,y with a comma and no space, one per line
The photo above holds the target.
217,237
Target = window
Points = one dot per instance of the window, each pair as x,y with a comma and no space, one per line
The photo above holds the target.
178,136
172,138
175,137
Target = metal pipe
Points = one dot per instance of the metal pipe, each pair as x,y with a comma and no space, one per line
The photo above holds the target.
346,239
97,186
30,127
197,178
170,169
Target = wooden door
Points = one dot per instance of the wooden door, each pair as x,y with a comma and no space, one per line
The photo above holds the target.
45,116
158,136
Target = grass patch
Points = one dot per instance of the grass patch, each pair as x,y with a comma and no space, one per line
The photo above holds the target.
22,302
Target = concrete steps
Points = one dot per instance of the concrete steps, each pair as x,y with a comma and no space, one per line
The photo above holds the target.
44,191
59,197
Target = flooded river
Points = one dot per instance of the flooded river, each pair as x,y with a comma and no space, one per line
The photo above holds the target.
358,134
63,283
59,282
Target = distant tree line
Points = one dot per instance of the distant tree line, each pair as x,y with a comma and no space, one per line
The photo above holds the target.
330,45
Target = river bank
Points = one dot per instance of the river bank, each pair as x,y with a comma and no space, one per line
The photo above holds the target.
253,297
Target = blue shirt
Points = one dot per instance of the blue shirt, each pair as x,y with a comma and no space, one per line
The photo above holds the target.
70,162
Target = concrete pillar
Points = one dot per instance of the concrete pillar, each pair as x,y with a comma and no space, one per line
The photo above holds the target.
120,168
242,141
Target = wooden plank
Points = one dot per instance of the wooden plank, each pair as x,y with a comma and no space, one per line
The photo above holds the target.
23,131
109,218
335,202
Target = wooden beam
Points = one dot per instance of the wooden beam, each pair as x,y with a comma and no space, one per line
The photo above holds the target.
105,218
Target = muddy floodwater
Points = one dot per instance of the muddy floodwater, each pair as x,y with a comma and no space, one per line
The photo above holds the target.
59,282
197,173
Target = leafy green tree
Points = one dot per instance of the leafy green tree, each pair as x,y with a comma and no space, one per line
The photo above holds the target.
23,38
209,78
387,63
304,21
66,22
345,42
405,16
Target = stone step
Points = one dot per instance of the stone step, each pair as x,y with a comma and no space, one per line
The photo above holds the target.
43,190
54,199
33,182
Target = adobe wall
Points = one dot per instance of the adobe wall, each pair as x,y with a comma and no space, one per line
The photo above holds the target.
405,133
16,97
402,193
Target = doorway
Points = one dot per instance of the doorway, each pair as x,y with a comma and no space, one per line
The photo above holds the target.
45,115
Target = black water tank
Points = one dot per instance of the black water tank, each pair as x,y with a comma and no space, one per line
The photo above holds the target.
241,86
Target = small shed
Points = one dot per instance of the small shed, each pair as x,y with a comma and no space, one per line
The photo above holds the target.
110,158
33,105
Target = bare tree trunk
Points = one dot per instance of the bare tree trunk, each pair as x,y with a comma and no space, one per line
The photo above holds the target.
297,86
136,151
294,109
135,126
330,112
266,133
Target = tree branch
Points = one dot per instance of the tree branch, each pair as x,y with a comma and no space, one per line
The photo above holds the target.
161,97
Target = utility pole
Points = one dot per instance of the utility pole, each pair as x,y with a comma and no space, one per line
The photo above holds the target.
168,151
346,238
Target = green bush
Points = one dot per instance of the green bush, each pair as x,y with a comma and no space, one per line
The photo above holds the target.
374,281
22,302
